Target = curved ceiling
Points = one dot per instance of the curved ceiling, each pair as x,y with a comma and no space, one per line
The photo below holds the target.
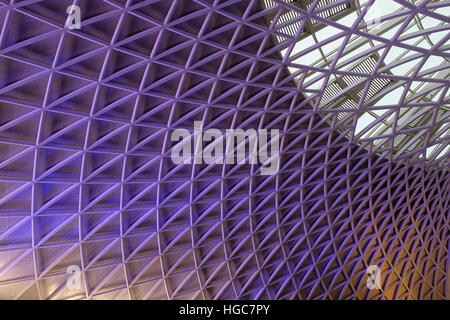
87,182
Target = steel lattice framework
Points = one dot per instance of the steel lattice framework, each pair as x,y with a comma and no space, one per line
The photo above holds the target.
86,177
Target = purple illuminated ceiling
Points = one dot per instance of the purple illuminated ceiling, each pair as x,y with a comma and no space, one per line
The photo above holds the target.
86,177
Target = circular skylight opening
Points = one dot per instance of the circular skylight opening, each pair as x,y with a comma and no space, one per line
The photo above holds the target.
377,70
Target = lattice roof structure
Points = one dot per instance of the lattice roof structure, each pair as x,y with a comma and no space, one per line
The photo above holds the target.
389,73
86,178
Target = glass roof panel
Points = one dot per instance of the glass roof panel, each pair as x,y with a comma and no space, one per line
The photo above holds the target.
386,61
